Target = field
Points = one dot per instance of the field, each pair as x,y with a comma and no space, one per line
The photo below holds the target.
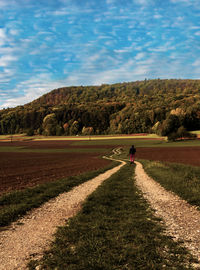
184,155
127,231
26,163
116,229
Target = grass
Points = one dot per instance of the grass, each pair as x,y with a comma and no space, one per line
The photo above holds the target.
115,230
125,142
117,142
184,180
75,138
97,137
150,140
196,132
141,143
17,203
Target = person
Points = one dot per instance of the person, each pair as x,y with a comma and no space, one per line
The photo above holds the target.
132,153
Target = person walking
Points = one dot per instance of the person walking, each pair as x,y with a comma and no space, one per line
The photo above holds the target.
132,152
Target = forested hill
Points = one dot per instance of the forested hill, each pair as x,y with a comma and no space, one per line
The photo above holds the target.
121,92
160,106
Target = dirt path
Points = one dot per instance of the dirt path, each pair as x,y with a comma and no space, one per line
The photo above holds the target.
182,219
31,235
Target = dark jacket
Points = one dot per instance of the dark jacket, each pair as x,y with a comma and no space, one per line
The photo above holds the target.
132,150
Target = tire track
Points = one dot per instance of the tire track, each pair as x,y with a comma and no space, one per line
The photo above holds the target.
182,219
31,235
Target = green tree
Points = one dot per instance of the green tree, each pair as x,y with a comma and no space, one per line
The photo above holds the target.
49,125
170,125
59,130
74,129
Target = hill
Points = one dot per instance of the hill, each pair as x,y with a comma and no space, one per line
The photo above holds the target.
160,106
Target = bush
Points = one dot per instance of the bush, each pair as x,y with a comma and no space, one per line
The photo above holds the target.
30,132
181,134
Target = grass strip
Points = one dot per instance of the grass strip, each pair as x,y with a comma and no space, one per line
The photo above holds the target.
17,203
115,230
141,143
184,180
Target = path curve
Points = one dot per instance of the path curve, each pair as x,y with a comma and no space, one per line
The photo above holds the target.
29,240
182,219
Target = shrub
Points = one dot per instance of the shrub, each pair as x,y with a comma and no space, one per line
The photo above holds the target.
30,132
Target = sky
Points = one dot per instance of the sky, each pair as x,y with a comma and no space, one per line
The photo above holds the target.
47,44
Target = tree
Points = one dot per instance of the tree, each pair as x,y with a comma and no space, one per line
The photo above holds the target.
87,130
30,132
49,124
74,128
170,125
59,130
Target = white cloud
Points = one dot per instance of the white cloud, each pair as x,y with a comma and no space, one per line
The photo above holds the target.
110,1
60,12
140,56
196,63
157,16
142,2
32,88
122,51
163,48
181,1
7,50
195,27
3,3
14,32
7,73
6,60
128,71
3,37
2,33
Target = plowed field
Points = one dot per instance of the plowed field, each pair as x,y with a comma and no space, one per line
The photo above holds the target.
19,170
185,155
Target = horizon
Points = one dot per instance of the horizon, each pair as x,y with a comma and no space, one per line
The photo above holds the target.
69,43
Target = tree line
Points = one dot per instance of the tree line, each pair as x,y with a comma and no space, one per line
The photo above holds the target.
165,107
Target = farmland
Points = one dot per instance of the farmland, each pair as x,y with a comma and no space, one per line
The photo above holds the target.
28,163
184,155
51,167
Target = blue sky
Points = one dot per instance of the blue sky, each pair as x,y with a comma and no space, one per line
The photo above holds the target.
47,44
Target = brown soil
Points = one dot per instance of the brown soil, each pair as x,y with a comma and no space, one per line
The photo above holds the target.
50,145
22,170
185,155
30,236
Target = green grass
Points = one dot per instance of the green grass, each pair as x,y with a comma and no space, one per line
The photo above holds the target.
140,143
181,179
115,230
97,137
196,132
121,142
17,203
75,138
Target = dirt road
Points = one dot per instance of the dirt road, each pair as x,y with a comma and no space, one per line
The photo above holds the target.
182,219
31,235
